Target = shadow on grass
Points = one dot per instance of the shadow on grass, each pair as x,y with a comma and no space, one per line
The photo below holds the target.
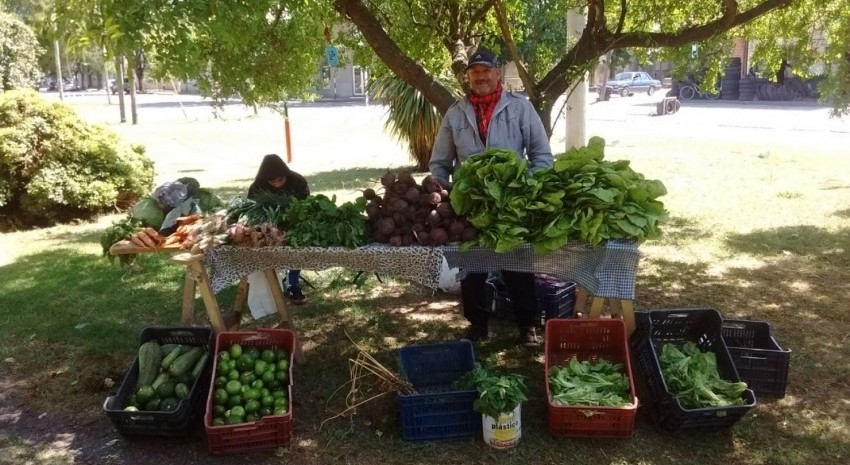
354,178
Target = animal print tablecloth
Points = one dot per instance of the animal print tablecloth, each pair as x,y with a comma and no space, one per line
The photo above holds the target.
227,264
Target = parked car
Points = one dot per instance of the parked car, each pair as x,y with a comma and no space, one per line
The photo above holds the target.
114,89
627,83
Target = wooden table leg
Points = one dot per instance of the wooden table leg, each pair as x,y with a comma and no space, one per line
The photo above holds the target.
241,296
627,309
188,299
195,268
596,306
283,310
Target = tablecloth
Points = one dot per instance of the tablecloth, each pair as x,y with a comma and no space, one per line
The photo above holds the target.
227,264
608,270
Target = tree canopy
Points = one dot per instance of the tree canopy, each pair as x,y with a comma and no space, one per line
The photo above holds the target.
19,52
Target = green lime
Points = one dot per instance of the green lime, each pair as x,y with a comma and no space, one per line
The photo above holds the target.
235,351
252,406
253,352
218,411
237,410
144,395
251,394
234,419
252,416
279,410
281,354
259,367
267,401
220,381
233,387
265,411
234,401
218,421
281,402
267,355
223,356
247,377
181,390
265,391
279,394
220,396
273,384
258,384
283,364
282,376
244,363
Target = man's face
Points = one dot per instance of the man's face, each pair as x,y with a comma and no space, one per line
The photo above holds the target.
483,80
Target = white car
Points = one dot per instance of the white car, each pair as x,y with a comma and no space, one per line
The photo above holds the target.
627,83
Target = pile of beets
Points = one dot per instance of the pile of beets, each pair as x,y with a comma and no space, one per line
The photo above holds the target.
409,213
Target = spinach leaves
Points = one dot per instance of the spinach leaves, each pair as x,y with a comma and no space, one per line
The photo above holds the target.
581,383
692,376
316,221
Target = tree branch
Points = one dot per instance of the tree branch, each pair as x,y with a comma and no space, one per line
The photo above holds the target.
389,52
622,19
505,28
479,15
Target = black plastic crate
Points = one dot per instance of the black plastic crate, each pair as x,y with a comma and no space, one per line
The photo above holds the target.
555,299
702,327
437,411
759,359
188,417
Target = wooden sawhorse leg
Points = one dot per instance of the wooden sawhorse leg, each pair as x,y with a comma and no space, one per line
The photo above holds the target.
195,270
283,310
626,308
188,299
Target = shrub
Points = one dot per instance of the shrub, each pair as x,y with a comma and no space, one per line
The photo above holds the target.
54,167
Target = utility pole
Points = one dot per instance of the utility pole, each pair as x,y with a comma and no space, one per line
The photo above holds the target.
119,84
106,76
577,95
60,84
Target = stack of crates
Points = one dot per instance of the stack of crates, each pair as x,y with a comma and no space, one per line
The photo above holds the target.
702,326
437,410
761,362
555,298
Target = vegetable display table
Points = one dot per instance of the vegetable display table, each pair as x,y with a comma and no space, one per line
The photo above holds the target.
604,273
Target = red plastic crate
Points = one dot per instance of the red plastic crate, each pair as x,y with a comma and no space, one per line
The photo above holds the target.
270,431
591,340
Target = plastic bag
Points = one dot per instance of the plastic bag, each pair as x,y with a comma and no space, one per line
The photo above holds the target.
260,300
170,194
448,279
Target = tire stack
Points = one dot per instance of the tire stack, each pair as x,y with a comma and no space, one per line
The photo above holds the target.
747,89
730,82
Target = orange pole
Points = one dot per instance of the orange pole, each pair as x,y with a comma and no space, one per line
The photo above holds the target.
286,132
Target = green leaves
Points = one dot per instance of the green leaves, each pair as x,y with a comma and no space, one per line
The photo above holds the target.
317,221
582,383
581,198
497,393
692,376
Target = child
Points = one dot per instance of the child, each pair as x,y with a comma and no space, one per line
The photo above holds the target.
275,178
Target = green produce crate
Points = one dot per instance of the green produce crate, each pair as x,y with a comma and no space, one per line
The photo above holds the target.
183,421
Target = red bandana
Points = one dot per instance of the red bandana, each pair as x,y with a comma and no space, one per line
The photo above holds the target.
484,106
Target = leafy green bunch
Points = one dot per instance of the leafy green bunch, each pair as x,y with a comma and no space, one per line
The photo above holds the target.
497,393
692,376
493,191
316,221
119,230
605,200
265,208
583,383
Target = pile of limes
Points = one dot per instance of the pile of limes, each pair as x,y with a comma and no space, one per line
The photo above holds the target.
250,383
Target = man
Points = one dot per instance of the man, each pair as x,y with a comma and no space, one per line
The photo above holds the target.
491,117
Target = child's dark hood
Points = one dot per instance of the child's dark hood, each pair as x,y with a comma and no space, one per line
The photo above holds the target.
272,167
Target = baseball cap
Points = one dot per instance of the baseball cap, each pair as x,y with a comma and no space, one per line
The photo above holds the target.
483,57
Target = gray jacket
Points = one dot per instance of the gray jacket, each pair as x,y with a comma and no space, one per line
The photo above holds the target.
514,125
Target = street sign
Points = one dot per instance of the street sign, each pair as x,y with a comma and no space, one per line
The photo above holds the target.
332,55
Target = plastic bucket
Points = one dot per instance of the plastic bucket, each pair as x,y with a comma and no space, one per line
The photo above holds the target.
503,432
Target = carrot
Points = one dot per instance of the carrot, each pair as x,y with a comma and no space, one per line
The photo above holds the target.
189,219
173,239
134,238
153,235
146,239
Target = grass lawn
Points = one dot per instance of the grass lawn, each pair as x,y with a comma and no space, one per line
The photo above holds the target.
753,236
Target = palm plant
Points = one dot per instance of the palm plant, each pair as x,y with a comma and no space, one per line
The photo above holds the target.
412,119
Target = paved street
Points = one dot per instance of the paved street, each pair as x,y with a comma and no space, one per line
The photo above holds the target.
185,138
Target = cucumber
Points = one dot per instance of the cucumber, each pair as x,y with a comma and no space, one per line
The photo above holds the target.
185,362
172,356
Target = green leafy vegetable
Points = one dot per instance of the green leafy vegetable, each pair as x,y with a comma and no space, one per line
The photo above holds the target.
496,393
317,221
582,383
265,208
119,230
692,376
